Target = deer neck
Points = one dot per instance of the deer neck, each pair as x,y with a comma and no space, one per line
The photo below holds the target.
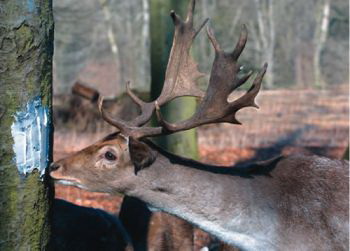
218,203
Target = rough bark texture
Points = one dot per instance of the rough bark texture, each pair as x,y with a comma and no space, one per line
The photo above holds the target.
26,47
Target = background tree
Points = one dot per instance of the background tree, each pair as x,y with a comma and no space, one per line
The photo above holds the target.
264,35
103,42
305,42
184,143
320,37
26,48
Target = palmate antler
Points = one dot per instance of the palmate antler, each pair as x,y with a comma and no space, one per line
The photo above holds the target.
180,80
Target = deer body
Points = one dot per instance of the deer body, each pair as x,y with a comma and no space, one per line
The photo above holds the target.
290,210
288,203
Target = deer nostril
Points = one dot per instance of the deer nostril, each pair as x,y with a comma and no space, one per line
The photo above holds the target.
54,166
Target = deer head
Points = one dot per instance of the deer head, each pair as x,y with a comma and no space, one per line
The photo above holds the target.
119,157
115,160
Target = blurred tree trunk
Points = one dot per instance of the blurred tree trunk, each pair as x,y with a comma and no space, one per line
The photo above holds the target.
321,31
26,48
266,35
184,143
111,37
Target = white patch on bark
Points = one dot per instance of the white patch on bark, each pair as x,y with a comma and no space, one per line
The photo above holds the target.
31,5
30,133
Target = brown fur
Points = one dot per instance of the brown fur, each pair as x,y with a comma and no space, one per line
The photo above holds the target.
305,198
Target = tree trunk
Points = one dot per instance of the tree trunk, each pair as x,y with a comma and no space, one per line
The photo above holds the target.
26,47
266,28
111,37
184,143
320,38
271,46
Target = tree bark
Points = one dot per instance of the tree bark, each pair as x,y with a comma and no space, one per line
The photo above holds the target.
26,48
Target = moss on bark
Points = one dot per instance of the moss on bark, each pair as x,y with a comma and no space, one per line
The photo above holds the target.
26,47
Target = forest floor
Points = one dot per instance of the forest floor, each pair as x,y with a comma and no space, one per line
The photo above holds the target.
307,121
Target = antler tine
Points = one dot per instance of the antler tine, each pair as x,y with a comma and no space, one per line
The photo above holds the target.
176,19
241,43
120,124
127,129
248,99
133,96
213,40
242,80
191,7
168,127
182,72
201,27
146,108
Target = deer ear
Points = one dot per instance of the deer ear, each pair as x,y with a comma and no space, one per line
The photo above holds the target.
141,154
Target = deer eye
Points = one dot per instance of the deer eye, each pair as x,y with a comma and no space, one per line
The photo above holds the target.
110,156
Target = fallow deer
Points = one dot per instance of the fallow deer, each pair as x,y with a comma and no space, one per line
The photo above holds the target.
287,203
152,231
